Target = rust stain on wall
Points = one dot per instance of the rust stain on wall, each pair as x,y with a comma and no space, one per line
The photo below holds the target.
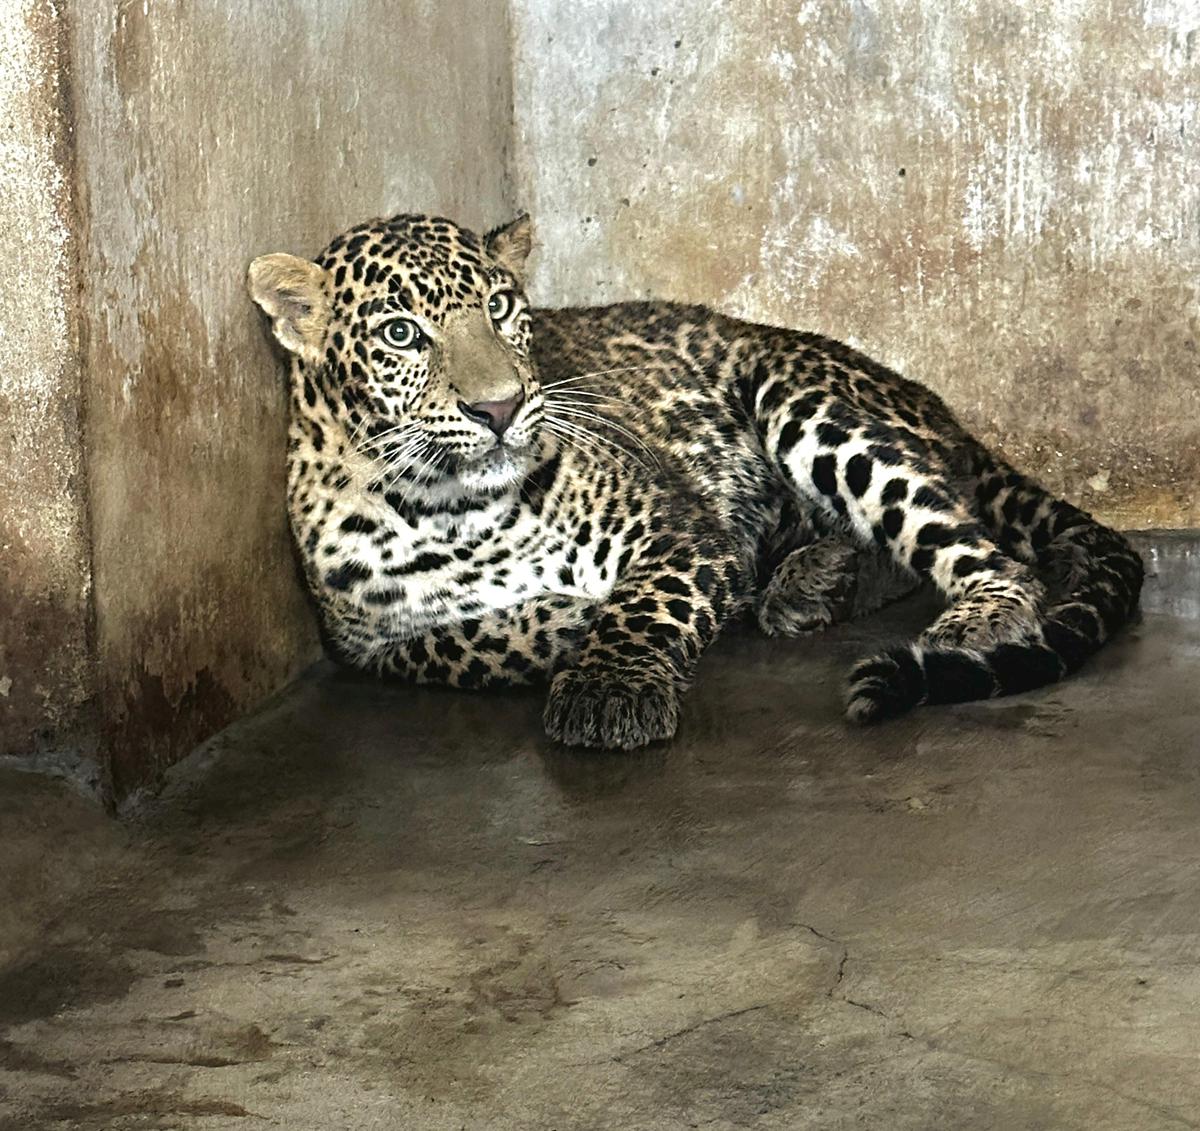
1000,201
45,670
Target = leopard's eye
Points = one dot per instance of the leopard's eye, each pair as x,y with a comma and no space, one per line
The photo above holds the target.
402,334
500,305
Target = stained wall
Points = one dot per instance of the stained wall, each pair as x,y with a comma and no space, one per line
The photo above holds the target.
149,499
208,134
45,576
1000,199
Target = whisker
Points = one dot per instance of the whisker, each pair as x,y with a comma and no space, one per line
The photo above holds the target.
401,470
402,460
386,470
382,437
597,373
566,420
565,429
585,414
597,408
569,396
407,490
402,451
595,438
364,422
388,434
574,441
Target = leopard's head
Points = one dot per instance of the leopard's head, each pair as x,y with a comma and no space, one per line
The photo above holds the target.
416,336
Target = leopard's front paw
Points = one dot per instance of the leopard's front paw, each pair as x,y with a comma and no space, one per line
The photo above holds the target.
610,710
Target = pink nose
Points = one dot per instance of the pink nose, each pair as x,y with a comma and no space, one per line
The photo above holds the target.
497,415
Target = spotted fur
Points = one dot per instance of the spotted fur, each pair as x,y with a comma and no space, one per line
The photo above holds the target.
486,494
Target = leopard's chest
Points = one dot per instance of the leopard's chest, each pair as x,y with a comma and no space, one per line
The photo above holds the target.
390,575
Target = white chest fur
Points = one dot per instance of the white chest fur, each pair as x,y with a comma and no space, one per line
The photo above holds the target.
402,572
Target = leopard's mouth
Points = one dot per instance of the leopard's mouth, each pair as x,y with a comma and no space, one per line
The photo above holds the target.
499,467
495,458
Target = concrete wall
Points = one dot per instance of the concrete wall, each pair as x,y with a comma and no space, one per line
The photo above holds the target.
209,133
45,670
202,135
1000,199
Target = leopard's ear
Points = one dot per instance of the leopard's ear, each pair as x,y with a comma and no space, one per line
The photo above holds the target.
510,244
292,291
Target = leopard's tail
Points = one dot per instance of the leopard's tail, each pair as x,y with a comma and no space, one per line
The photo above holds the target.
1093,578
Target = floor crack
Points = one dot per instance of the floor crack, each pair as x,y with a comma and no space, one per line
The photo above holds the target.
839,972
659,1042
869,1008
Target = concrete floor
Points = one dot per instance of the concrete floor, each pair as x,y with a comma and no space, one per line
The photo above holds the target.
380,907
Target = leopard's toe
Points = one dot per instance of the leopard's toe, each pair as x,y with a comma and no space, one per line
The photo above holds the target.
780,615
610,711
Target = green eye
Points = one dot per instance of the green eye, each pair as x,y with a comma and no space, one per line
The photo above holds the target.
402,334
500,305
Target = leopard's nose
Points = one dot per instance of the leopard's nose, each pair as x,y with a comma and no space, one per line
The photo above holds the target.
497,415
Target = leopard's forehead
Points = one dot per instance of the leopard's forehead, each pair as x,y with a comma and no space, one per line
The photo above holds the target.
426,264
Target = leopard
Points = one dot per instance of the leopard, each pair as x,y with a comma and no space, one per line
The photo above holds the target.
485,493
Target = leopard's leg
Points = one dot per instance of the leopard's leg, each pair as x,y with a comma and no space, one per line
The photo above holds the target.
890,492
520,645
641,651
826,582
881,580
617,666
1079,559
1034,586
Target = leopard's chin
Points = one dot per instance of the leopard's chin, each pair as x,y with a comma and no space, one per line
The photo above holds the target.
500,469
